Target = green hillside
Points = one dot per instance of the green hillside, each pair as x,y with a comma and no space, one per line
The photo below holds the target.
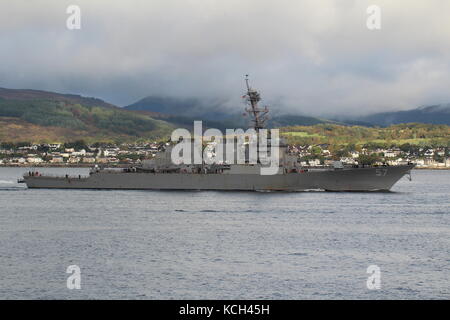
40,116
410,133
38,119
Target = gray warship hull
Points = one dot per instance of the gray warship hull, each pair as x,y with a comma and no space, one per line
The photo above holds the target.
347,179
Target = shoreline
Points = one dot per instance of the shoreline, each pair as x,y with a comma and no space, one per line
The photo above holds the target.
77,165
109,165
432,168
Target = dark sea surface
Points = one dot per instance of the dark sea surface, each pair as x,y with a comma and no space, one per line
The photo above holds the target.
225,245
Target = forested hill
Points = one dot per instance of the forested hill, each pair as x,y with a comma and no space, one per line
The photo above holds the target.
436,114
419,134
29,95
40,116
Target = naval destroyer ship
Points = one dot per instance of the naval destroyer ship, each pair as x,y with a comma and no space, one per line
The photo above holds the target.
160,173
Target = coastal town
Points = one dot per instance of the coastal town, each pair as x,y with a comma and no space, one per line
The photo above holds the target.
79,154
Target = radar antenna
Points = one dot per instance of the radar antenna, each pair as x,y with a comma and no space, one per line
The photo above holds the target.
259,115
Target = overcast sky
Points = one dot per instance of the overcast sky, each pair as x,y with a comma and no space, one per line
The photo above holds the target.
316,57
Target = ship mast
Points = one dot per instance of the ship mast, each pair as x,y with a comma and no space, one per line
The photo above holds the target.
259,115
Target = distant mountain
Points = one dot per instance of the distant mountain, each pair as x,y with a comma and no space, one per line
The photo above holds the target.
296,120
38,116
182,107
42,116
185,111
436,114
29,94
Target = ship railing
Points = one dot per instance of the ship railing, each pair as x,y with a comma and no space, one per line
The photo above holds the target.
56,175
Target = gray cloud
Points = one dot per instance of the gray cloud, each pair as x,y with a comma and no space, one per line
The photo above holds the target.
314,57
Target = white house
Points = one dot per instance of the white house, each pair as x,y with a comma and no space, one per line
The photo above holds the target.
348,160
429,153
354,154
73,160
34,160
110,152
80,153
57,160
54,145
314,162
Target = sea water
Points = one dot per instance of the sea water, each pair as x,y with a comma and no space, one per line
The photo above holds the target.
225,245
